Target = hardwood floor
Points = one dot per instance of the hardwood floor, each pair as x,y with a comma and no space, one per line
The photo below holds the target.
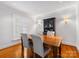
15,52
11,52
69,51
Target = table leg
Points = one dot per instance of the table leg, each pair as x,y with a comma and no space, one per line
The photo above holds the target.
60,51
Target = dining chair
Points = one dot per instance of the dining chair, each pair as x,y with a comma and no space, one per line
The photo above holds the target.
25,43
38,46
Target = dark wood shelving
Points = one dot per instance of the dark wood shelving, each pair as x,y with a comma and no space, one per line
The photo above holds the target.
49,25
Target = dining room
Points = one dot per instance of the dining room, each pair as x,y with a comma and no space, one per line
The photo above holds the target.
39,29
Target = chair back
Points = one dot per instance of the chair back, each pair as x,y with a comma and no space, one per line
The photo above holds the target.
25,40
38,45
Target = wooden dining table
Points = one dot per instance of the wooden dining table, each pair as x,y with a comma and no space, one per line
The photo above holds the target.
54,42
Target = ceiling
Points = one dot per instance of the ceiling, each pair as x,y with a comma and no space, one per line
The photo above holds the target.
35,8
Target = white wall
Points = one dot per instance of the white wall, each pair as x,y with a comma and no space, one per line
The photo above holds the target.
5,25
21,24
12,22
77,24
66,31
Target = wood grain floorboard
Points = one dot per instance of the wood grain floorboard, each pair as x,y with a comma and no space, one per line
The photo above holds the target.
68,51
15,52
11,52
